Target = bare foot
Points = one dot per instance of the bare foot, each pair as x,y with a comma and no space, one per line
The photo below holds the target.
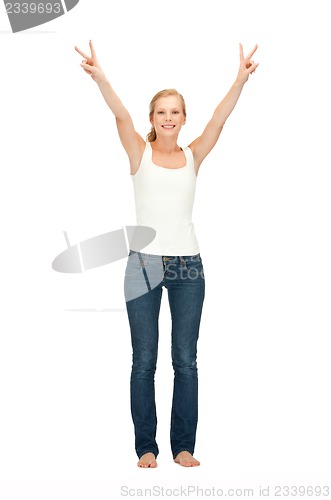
147,460
185,459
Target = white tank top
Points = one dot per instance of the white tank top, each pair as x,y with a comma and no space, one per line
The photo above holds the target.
164,200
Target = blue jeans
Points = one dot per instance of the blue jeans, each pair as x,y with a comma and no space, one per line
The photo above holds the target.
183,276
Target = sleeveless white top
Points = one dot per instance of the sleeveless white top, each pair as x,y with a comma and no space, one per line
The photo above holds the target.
164,200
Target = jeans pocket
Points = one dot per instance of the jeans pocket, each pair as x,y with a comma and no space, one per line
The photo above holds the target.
194,266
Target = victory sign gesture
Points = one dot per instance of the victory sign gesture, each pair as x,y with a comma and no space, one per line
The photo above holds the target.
91,65
247,66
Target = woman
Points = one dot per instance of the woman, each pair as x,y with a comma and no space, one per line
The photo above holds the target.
164,177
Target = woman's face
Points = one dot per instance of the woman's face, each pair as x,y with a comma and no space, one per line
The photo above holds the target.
168,116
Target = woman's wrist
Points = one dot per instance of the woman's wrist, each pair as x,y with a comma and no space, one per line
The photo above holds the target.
238,83
102,80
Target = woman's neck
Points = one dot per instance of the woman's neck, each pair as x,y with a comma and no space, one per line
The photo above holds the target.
168,145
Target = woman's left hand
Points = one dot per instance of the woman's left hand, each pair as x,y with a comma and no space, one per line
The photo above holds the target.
247,66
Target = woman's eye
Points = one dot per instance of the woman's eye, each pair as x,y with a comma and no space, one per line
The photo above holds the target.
160,112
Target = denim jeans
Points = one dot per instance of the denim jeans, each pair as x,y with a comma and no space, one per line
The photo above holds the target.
183,276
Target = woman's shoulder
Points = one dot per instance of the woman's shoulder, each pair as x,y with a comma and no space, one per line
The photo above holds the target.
188,150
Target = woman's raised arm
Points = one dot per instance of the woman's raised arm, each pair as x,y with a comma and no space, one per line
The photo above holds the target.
207,140
132,142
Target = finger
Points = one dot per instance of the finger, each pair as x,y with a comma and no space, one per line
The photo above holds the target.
241,53
87,61
92,49
252,52
88,68
81,52
253,68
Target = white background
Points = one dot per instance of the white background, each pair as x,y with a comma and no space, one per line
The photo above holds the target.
262,217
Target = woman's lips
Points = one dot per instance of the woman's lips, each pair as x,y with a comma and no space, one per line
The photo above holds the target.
168,126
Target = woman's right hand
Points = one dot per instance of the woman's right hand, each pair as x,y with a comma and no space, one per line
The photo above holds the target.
91,65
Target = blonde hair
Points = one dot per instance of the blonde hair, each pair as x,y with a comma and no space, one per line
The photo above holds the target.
163,93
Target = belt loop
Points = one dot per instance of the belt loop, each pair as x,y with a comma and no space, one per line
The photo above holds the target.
182,261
